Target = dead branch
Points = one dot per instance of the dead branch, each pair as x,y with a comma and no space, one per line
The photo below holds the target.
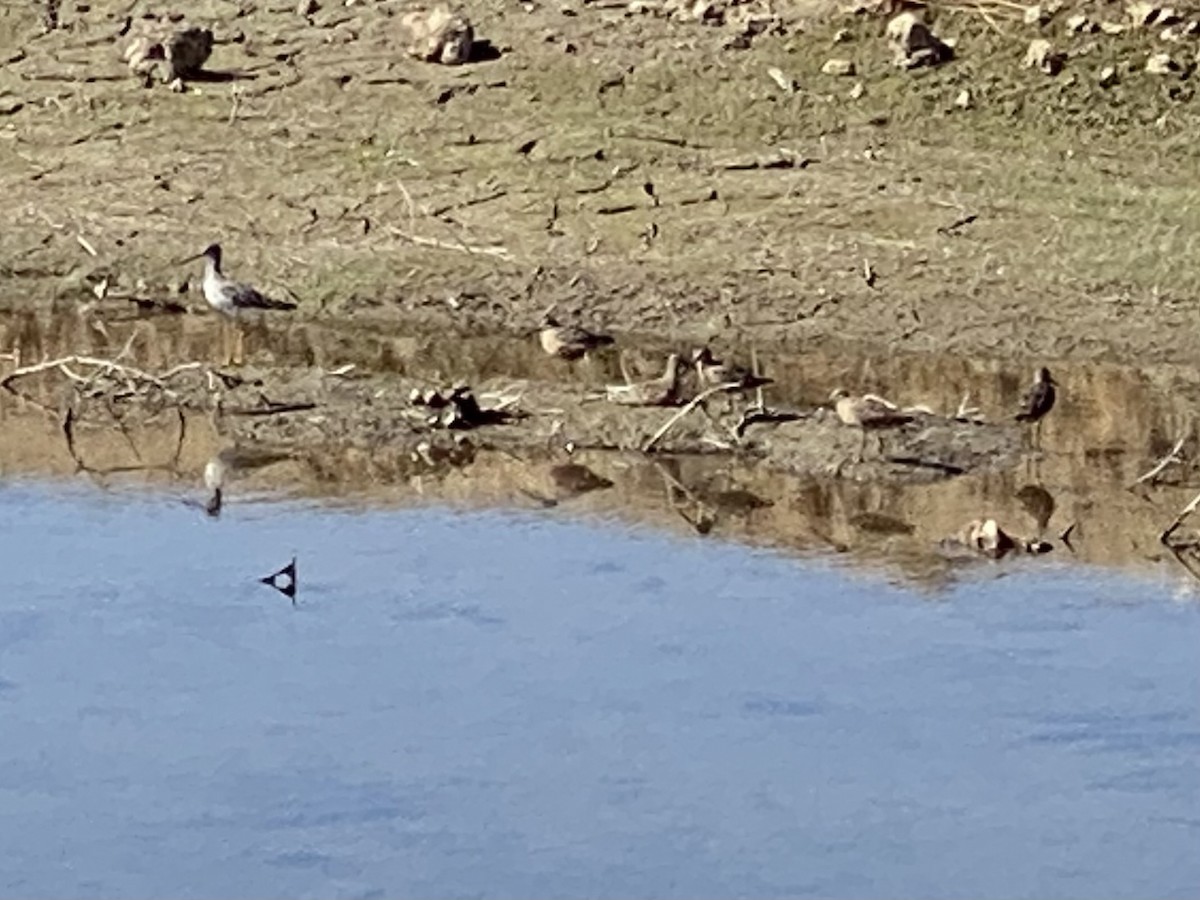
473,249
273,409
106,366
661,139
1165,537
695,401
465,204
1171,458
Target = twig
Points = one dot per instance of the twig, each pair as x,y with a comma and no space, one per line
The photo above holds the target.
497,251
695,401
660,139
464,204
68,430
960,222
617,210
1171,457
408,202
107,365
936,465
1165,537
1065,536
273,410
756,415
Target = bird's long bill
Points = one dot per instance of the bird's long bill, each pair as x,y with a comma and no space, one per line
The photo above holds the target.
180,262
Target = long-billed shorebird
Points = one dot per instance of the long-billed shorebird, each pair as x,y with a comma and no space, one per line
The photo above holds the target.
868,412
1038,401
231,298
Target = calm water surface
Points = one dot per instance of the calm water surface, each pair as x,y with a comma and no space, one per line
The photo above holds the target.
506,705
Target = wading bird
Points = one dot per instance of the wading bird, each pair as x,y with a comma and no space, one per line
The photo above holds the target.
231,298
1038,401
868,412
569,342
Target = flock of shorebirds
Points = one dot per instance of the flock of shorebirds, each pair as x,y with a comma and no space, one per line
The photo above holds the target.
569,342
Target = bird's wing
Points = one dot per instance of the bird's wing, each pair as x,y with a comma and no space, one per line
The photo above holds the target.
575,334
246,297
877,411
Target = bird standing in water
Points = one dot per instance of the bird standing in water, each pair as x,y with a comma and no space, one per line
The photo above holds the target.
1038,401
230,298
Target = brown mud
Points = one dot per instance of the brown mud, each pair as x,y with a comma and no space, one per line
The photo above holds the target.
321,432
643,173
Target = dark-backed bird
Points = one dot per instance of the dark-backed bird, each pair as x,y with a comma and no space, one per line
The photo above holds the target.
569,342
868,412
229,297
1039,399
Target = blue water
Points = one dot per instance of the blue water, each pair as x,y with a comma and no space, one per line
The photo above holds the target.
513,706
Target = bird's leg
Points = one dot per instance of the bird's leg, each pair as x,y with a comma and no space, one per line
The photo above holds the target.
224,335
239,344
862,445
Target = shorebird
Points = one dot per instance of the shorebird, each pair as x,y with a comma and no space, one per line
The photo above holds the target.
713,372
231,298
868,412
569,342
1037,401
661,391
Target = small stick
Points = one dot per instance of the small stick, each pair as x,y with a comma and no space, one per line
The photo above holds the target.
1165,537
1171,457
464,204
1065,536
499,252
617,210
695,401
272,410
408,202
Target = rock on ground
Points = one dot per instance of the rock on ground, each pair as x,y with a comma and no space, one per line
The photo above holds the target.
438,35
167,51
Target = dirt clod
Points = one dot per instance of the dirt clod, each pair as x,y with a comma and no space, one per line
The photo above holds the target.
838,67
1080,24
1161,64
438,35
1041,55
166,51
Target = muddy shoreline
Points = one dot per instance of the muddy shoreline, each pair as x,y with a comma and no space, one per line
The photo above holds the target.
639,172
334,423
